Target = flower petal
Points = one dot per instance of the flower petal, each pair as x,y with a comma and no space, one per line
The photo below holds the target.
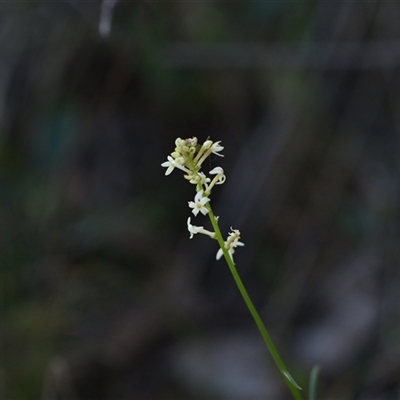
216,171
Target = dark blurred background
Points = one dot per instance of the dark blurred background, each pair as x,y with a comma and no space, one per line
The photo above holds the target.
103,295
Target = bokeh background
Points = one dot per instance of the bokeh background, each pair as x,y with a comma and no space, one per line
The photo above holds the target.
103,295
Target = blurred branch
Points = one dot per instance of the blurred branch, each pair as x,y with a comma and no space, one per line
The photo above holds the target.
106,13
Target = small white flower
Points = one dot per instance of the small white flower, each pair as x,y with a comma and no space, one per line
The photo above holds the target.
199,178
193,230
233,237
231,251
206,149
171,164
199,203
230,244
215,148
220,178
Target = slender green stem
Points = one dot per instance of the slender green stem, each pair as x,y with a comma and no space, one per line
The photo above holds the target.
290,382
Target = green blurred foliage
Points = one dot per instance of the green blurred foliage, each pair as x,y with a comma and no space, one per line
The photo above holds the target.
96,265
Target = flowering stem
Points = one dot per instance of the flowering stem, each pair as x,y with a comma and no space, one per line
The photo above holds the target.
290,382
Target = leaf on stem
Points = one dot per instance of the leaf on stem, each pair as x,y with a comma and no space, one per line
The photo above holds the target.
291,380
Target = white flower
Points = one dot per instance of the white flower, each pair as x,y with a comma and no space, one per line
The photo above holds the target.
206,149
221,177
230,244
199,178
193,230
215,148
199,203
173,163
170,165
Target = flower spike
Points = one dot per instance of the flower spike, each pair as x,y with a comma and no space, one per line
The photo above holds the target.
188,156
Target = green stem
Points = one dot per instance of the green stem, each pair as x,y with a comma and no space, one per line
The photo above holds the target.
290,382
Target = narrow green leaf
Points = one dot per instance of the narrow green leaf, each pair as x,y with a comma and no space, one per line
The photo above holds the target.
291,380
312,390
